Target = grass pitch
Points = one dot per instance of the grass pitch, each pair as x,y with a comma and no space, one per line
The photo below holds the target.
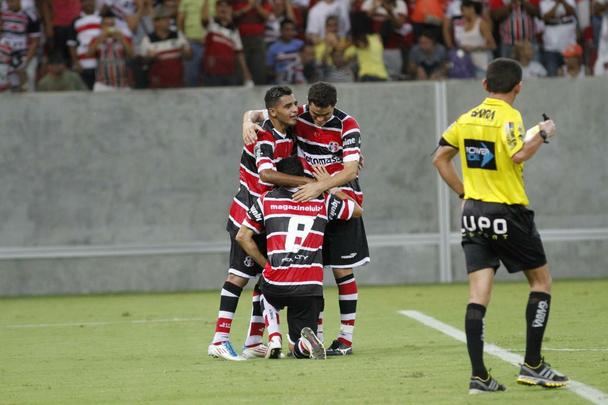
94,349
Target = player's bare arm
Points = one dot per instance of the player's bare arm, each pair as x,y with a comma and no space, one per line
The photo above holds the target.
534,140
312,190
245,238
445,166
281,179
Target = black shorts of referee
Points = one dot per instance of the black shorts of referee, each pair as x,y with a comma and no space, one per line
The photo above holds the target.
494,233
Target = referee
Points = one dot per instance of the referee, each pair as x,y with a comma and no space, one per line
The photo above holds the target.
496,225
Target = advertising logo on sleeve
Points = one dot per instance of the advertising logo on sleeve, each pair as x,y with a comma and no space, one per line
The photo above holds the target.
511,137
480,154
257,151
333,208
255,213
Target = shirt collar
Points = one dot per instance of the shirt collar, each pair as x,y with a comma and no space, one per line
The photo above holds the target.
496,101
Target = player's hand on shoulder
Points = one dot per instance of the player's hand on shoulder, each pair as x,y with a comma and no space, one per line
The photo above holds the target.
250,132
308,191
549,127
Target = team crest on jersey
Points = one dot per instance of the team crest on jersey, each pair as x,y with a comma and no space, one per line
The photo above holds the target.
248,261
333,147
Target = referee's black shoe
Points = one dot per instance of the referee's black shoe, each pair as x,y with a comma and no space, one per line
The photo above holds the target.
338,348
542,375
479,386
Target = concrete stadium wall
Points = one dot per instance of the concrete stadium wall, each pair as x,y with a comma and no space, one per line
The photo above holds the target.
129,191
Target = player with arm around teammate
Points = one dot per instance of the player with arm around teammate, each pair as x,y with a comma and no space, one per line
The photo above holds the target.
496,224
257,174
293,272
329,137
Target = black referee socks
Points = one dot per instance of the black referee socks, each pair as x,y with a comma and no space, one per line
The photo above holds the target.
537,316
473,326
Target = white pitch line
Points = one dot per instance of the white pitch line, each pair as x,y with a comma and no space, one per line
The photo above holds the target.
564,349
589,393
78,324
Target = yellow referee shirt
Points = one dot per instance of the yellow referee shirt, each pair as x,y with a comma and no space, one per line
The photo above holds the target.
487,137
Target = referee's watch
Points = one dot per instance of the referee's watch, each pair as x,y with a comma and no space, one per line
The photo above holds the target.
543,135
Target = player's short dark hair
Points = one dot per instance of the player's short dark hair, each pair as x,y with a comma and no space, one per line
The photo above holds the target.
322,95
291,166
274,94
503,75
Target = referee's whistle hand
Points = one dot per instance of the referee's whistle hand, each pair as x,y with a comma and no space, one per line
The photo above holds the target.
548,126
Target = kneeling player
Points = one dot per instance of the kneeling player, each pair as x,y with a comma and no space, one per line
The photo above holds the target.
293,273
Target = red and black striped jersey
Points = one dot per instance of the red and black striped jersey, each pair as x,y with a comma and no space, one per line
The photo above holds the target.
336,142
294,235
18,27
271,147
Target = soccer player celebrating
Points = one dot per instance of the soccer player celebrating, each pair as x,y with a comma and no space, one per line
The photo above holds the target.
331,138
293,272
257,175
496,225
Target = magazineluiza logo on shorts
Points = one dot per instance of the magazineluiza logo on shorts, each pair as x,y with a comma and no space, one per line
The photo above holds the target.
480,154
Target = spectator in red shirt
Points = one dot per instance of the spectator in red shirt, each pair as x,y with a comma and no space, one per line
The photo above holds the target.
250,18
515,19
166,49
62,15
223,48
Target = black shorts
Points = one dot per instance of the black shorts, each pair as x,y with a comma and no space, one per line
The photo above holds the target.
345,244
302,311
241,264
494,233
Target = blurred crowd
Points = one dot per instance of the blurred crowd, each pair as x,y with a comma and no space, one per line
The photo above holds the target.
105,45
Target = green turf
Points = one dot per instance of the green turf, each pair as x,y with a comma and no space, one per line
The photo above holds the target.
397,360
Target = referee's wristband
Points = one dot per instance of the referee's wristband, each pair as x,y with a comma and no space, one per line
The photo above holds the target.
543,135
461,196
